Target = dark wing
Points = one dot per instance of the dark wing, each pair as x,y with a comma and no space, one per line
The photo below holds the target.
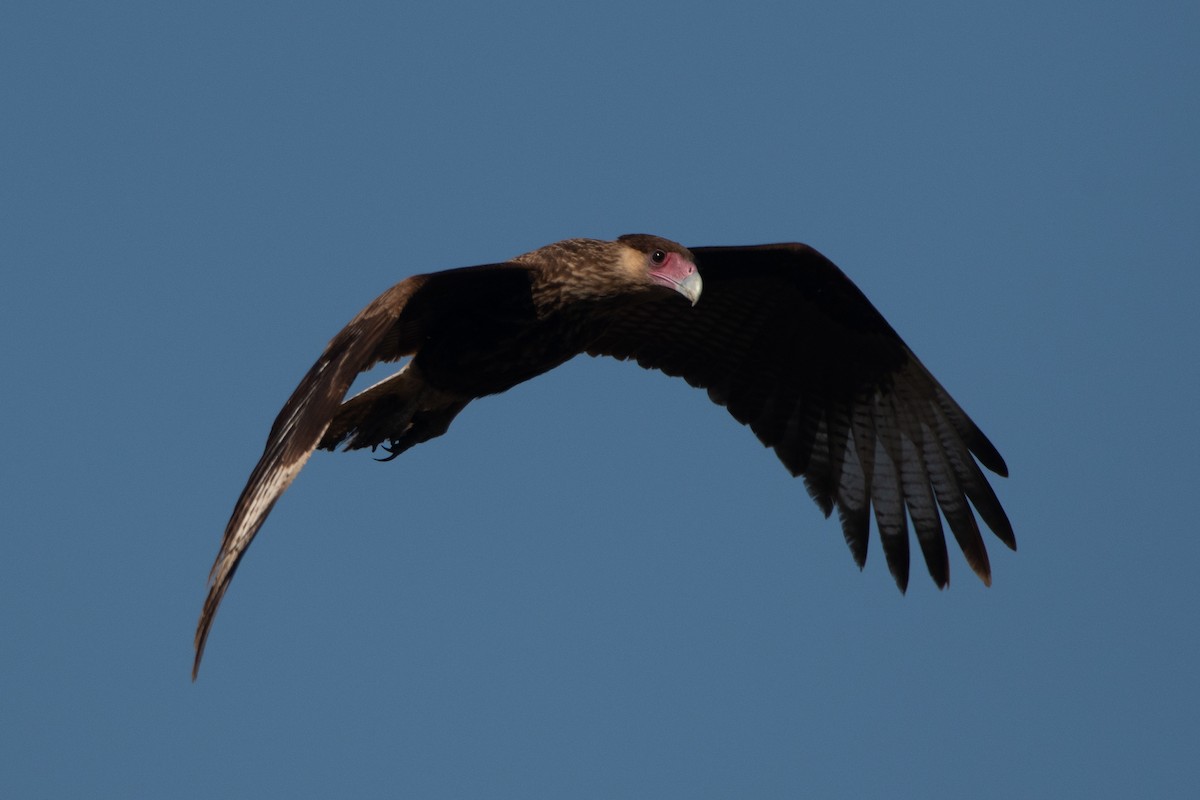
793,349
394,325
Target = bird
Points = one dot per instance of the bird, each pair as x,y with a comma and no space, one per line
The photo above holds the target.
775,333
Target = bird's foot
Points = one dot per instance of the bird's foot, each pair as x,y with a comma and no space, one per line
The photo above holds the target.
393,449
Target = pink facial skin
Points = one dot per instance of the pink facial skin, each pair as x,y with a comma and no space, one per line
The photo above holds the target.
677,272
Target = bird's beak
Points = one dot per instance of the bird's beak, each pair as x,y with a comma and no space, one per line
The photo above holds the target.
691,286
680,274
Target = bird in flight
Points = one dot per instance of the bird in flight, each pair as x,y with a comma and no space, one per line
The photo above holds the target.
775,333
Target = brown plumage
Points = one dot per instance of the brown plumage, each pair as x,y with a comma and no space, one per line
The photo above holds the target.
779,336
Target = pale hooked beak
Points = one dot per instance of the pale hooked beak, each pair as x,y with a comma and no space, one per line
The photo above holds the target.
691,286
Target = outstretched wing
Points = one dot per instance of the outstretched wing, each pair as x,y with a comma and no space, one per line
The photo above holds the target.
792,348
300,426
394,325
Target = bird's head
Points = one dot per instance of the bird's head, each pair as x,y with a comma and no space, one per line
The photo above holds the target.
662,262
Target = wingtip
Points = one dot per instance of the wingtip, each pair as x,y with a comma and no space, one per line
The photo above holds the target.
983,449
201,639
199,645
216,590
983,570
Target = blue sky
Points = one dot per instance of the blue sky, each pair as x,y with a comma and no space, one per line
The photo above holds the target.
597,584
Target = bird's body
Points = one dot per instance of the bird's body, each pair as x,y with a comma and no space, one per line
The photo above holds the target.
780,337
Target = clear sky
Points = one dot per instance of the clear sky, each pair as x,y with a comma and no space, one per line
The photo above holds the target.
597,584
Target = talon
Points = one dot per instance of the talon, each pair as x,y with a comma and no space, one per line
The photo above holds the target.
392,448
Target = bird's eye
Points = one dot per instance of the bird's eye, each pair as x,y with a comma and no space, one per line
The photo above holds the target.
658,256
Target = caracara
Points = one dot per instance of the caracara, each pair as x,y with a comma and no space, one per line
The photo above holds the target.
775,333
